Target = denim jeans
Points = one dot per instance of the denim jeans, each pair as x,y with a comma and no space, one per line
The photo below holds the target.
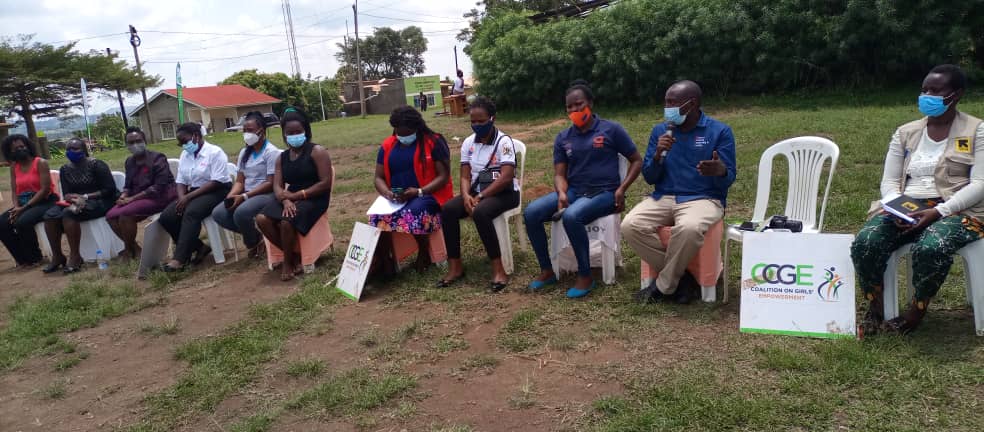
242,219
582,211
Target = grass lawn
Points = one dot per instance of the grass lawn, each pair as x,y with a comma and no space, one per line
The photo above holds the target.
678,368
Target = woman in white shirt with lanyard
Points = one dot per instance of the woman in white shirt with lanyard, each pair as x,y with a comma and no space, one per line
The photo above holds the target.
253,188
203,182
488,189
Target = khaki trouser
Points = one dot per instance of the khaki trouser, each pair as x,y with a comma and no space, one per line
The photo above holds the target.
688,223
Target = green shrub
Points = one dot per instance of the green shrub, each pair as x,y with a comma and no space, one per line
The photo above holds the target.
631,51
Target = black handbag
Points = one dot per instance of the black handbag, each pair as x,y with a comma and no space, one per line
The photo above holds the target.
488,176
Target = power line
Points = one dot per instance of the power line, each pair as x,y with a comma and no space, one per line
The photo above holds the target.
231,34
238,57
414,21
88,37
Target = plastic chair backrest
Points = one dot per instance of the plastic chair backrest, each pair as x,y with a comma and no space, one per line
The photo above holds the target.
120,180
520,148
623,167
232,169
56,180
806,157
173,164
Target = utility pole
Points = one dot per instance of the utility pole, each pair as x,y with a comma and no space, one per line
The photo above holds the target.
321,98
126,123
358,61
135,41
456,69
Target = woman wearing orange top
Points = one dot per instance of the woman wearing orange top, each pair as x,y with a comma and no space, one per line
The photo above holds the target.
34,194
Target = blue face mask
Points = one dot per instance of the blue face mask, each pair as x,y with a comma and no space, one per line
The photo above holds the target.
483,130
190,147
672,114
74,155
932,106
296,140
407,140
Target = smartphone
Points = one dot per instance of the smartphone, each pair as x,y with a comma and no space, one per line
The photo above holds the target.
397,191
229,202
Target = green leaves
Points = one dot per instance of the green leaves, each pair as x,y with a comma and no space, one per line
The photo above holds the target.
633,50
387,53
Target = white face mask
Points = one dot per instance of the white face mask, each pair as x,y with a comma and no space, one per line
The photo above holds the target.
250,138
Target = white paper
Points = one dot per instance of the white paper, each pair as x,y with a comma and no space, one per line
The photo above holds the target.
383,206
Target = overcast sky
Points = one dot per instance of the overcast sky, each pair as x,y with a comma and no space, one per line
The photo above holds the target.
318,26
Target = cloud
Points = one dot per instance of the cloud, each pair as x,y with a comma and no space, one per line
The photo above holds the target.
318,26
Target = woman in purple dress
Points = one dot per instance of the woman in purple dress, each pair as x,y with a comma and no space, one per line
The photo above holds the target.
148,189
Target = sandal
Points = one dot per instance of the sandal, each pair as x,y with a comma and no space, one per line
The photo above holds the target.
69,269
498,286
53,267
200,254
445,283
167,268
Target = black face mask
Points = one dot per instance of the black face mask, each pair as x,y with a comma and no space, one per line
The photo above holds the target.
21,154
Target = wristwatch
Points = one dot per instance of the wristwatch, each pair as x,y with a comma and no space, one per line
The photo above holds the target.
481,195
245,197
420,192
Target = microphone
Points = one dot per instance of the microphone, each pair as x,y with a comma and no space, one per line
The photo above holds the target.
669,133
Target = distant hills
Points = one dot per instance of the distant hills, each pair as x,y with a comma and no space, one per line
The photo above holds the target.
63,127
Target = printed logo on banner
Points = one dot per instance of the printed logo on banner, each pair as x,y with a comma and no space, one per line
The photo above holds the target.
794,280
828,289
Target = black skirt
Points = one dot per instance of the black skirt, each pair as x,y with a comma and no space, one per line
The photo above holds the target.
308,213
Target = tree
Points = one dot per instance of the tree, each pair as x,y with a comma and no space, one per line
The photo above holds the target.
490,7
387,53
41,80
291,91
108,131
279,85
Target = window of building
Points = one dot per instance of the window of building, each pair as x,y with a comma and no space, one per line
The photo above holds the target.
167,130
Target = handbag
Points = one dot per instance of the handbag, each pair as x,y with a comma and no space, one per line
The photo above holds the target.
488,176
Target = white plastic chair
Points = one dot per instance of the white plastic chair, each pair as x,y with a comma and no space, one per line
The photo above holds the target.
173,165
604,240
501,223
39,227
972,253
806,157
219,238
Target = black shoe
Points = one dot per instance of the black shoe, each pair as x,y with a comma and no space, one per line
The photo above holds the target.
444,283
687,289
649,294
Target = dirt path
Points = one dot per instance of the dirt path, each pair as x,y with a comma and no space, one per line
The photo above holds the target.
125,362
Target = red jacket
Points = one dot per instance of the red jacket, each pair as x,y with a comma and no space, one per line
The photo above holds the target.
426,171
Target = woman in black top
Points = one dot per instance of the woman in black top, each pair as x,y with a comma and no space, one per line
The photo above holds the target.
89,192
306,168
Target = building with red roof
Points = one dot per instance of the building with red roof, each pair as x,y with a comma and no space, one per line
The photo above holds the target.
217,107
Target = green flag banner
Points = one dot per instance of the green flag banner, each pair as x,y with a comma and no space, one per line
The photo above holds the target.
181,108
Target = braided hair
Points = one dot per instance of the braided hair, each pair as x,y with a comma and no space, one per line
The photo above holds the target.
408,117
257,117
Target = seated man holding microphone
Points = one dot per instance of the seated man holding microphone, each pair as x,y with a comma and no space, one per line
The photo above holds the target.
691,162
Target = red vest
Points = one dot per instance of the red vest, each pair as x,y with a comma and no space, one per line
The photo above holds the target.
425,171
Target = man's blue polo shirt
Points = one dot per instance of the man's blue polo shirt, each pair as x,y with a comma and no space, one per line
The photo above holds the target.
677,174
592,156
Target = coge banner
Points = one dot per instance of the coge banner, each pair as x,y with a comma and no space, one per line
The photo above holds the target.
358,258
797,284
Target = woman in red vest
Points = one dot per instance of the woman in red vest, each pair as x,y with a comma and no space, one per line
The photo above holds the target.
412,168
